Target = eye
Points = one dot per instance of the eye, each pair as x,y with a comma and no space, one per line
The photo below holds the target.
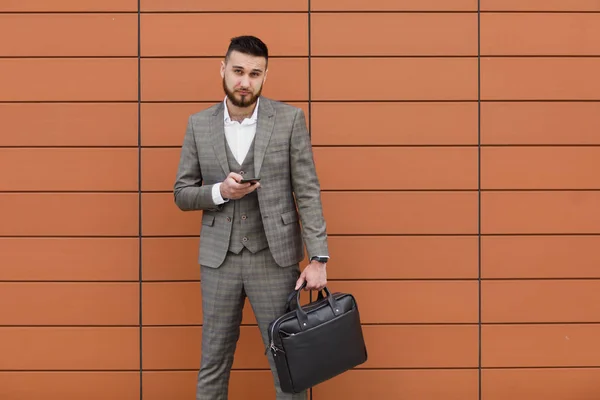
254,74
237,71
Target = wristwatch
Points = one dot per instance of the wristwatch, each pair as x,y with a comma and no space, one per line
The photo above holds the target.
320,259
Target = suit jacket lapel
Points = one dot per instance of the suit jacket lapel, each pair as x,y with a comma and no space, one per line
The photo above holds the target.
266,122
217,130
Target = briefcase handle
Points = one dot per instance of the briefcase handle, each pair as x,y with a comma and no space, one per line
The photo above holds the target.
294,296
301,314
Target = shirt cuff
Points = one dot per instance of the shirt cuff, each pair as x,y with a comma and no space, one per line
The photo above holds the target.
216,194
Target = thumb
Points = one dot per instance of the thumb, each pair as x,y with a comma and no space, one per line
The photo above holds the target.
299,282
235,177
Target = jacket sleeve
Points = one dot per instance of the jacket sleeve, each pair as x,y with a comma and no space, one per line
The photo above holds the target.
189,192
307,190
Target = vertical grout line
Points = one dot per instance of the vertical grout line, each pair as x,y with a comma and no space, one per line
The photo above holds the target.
479,371
309,74
309,119
139,94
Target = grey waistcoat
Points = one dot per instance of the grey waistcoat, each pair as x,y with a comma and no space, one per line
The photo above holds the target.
247,230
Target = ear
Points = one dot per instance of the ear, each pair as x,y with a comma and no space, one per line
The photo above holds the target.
222,69
265,78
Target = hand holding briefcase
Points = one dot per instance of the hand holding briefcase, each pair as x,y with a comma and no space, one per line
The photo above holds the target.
319,341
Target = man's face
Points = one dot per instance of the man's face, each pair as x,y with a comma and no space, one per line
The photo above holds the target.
243,77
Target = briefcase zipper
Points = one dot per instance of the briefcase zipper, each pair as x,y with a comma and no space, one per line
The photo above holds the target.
274,348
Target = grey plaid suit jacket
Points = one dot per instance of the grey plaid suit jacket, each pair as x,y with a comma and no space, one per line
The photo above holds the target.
289,193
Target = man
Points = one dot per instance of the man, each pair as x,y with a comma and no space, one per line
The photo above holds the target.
251,241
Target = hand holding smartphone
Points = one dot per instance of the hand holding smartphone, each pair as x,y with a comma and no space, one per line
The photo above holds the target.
250,180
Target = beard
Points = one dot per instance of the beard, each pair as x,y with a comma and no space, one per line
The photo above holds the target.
243,100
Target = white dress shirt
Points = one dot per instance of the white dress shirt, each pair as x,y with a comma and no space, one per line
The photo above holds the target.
239,137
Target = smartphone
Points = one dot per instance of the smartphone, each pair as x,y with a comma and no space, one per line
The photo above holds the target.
250,180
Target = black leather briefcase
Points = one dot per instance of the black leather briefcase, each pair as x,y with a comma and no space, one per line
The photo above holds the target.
313,343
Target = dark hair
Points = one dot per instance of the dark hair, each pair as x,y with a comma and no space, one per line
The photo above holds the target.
248,45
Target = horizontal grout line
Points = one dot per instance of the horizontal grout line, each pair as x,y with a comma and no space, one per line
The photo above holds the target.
306,11
368,279
71,192
68,102
474,323
100,371
360,368
540,11
27,57
356,190
427,145
83,281
77,147
323,146
419,190
321,11
365,56
165,282
132,12
475,279
540,100
215,57
364,324
340,235
366,145
70,237
527,279
69,326
170,370
436,101
317,12
520,190
537,145
329,101
474,234
137,326
330,280
302,56
540,55
520,323
543,367
195,370
318,101
305,57
347,191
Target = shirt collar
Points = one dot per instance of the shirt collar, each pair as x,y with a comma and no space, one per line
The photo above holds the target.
251,120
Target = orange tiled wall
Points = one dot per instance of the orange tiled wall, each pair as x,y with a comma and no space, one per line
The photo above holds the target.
461,192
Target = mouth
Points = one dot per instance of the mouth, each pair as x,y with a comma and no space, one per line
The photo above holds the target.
243,92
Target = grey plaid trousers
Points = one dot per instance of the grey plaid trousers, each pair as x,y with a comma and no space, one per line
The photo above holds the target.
224,290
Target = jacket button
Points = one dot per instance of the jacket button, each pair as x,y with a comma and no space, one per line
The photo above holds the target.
228,219
244,239
244,217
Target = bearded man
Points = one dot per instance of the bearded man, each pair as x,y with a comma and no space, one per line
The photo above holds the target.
247,162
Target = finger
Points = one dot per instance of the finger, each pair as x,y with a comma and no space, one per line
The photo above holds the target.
253,187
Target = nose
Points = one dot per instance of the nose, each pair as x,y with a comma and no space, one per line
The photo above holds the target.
245,82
